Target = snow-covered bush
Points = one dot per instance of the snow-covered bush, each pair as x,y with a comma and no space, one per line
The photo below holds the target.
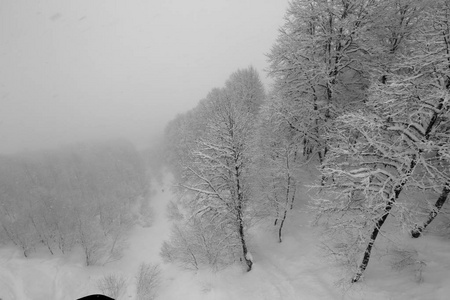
198,243
180,250
148,281
112,285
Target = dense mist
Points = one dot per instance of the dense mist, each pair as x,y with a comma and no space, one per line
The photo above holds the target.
72,71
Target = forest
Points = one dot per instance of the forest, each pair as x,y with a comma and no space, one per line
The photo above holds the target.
78,195
361,92
354,133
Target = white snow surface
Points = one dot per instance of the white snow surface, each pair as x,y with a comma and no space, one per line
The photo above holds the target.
294,269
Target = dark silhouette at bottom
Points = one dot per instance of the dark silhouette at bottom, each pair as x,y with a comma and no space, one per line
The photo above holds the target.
96,297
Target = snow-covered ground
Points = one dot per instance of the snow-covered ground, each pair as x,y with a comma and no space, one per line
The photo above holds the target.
294,269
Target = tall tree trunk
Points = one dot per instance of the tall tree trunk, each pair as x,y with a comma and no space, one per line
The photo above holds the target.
277,208
286,204
41,235
293,196
240,220
387,209
416,232
281,225
373,236
294,186
323,178
247,258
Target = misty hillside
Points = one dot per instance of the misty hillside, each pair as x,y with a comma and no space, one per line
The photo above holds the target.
327,180
296,268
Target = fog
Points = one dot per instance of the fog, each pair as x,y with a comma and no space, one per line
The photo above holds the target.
76,70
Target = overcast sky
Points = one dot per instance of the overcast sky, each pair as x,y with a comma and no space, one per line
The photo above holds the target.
82,69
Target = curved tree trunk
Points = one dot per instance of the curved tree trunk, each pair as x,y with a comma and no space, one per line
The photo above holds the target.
376,230
281,226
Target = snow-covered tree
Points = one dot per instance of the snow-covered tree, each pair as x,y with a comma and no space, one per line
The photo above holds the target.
276,165
318,65
216,166
400,140
180,135
59,198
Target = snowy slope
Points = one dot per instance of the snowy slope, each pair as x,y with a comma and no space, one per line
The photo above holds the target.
294,269
65,277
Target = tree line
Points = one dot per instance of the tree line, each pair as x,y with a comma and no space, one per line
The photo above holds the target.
77,196
361,89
